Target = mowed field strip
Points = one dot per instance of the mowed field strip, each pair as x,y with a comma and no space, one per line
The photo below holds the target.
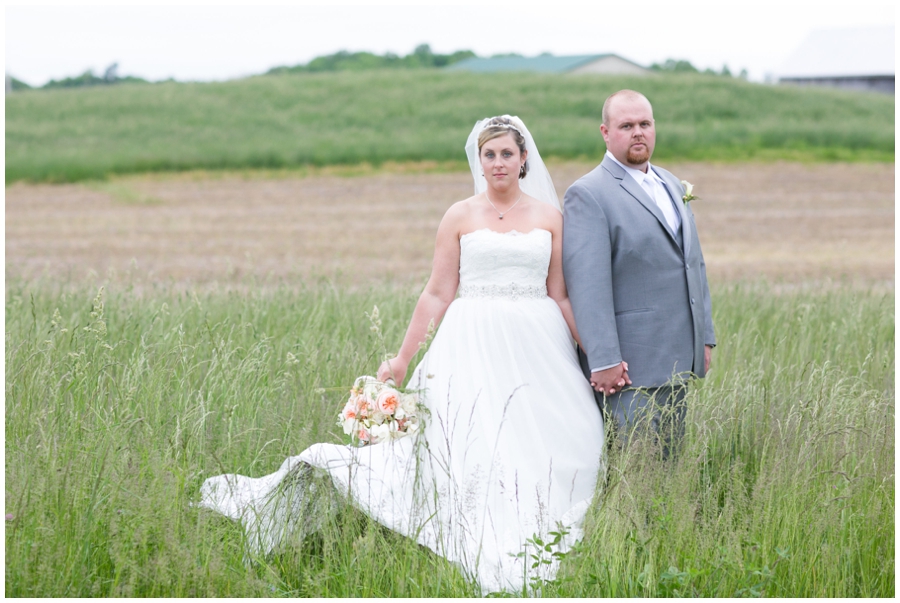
784,222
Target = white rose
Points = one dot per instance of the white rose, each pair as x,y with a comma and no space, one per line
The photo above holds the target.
399,413
408,403
349,426
379,433
688,188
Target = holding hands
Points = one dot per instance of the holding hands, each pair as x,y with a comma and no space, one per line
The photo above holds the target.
611,380
615,378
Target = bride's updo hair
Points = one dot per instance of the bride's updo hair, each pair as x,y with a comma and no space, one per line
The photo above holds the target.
500,126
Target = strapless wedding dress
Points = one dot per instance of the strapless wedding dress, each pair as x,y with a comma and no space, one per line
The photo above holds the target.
513,440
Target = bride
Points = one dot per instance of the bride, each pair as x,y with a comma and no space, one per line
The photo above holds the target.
513,439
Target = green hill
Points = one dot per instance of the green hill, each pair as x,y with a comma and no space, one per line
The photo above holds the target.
346,118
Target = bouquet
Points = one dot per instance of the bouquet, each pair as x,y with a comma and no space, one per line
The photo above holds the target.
377,412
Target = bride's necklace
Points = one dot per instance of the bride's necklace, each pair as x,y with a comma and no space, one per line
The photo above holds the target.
502,213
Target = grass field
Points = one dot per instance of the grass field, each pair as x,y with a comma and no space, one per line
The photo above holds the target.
231,297
376,117
120,403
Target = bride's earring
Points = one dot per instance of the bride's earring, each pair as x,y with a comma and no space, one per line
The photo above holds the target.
522,171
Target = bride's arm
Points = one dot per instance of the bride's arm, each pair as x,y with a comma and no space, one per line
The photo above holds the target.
556,284
437,296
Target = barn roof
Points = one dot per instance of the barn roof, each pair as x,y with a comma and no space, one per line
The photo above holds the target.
543,63
851,52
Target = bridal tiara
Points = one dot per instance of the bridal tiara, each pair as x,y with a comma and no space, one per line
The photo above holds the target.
510,126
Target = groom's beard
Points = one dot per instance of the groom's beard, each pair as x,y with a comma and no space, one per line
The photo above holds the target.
638,157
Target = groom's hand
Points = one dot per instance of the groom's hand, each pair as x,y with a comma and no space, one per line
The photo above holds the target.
611,380
707,356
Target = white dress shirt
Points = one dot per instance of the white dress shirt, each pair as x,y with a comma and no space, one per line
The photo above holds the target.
654,186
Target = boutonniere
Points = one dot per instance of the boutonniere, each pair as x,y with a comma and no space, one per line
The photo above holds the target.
688,189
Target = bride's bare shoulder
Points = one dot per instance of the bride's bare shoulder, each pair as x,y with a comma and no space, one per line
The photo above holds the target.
544,215
467,205
461,210
544,210
458,215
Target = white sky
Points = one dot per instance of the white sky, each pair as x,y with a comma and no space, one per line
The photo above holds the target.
217,42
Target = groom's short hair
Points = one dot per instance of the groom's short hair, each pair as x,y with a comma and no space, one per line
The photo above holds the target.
604,115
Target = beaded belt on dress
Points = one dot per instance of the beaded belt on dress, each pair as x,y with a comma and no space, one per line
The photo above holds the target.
512,291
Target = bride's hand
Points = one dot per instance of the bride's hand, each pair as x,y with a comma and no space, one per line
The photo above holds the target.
392,369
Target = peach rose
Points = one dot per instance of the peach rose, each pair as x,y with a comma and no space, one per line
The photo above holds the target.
363,406
349,411
388,401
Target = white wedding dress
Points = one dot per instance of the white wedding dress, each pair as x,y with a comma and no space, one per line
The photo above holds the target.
512,446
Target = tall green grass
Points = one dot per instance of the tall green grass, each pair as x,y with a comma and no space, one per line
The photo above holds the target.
375,117
119,405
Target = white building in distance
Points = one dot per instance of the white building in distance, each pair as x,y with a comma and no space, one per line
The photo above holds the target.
857,58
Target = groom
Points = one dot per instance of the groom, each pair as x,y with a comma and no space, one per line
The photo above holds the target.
636,277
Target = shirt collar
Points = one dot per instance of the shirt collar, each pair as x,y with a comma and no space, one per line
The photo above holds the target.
638,175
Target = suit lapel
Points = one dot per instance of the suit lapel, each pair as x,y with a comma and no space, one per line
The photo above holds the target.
673,187
636,191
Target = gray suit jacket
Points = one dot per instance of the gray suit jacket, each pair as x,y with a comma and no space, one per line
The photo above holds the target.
638,290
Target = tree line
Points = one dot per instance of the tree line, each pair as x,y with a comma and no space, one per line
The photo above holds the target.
422,57
681,66
110,76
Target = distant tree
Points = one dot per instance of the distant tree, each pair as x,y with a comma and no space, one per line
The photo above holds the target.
675,66
346,61
13,84
421,57
682,66
507,55
424,54
110,76
85,79
456,57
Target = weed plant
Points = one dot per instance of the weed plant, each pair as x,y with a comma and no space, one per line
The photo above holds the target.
120,403
284,121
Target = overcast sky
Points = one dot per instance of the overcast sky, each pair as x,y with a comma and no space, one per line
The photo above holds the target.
218,42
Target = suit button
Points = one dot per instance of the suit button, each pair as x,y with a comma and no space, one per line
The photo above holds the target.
688,266
692,300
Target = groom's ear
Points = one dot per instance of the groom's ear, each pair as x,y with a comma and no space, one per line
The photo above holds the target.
604,131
